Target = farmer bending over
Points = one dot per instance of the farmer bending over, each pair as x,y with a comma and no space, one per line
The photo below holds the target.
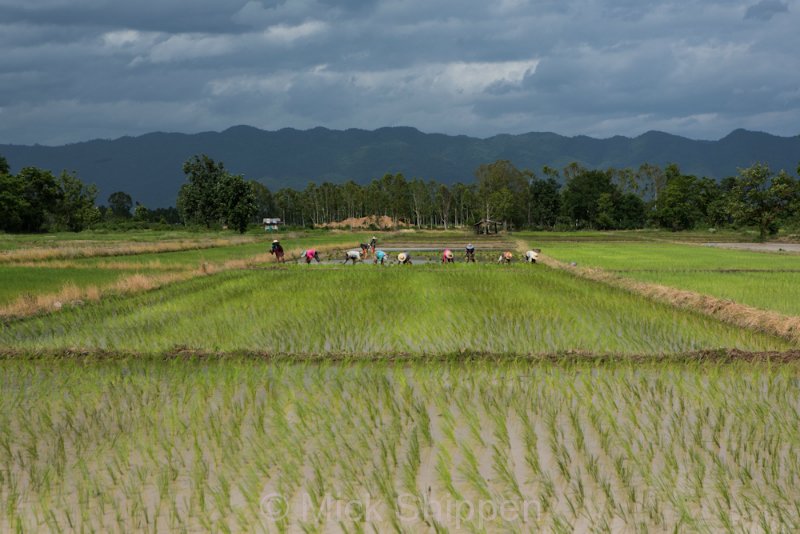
531,256
404,258
505,257
470,253
364,249
277,250
379,257
354,255
311,254
447,256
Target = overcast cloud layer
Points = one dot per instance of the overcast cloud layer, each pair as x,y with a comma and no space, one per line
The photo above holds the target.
73,70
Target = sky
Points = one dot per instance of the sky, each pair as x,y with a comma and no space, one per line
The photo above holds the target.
74,70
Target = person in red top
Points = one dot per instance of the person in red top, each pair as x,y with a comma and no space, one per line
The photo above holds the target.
277,250
311,254
447,256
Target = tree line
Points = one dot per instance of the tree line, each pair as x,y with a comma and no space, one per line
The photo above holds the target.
567,199
572,198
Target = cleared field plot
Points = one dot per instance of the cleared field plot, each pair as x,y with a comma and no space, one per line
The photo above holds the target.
367,309
668,257
247,446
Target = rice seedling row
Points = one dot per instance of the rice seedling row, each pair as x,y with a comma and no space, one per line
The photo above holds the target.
667,257
410,309
240,445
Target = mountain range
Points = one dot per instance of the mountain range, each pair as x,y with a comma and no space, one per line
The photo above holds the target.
148,167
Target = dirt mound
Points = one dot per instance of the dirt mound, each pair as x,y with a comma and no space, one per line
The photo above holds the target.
383,223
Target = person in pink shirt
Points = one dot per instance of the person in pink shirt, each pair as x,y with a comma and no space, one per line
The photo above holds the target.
447,256
505,257
311,254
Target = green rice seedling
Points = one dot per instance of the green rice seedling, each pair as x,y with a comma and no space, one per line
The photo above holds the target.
531,311
470,470
353,429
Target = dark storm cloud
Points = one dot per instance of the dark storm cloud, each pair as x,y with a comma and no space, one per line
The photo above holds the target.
79,69
766,9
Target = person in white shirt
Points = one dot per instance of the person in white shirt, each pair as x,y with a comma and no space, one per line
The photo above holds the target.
354,255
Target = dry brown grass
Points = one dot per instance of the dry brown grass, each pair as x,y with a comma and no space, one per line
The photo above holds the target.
106,265
93,249
71,295
785,326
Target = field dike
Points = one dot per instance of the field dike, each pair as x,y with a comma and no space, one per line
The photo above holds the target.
570,357
71,295
785,326
126,249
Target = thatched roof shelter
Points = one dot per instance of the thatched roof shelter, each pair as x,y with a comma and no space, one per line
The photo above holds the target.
487,226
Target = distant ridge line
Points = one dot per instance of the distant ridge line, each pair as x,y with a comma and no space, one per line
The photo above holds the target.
148,166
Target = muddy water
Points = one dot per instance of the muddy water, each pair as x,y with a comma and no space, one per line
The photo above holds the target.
368,261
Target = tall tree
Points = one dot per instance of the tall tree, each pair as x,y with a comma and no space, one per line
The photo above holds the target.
651,180
420,200
582,194
237,201
265,206
444,200
197,199
503,189
12,203
41,196
545,202
75,210
758,199
120,204
681,205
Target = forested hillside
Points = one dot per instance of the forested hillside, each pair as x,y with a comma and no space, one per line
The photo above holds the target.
149,166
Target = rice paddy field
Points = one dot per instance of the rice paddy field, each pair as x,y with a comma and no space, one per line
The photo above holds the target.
211,389
767,280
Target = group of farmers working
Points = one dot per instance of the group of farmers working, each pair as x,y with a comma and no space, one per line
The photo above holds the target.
403,258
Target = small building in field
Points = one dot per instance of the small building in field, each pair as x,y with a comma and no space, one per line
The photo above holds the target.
487,226
271,225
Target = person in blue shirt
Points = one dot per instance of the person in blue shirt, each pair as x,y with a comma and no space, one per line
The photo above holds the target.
379,257
470,253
